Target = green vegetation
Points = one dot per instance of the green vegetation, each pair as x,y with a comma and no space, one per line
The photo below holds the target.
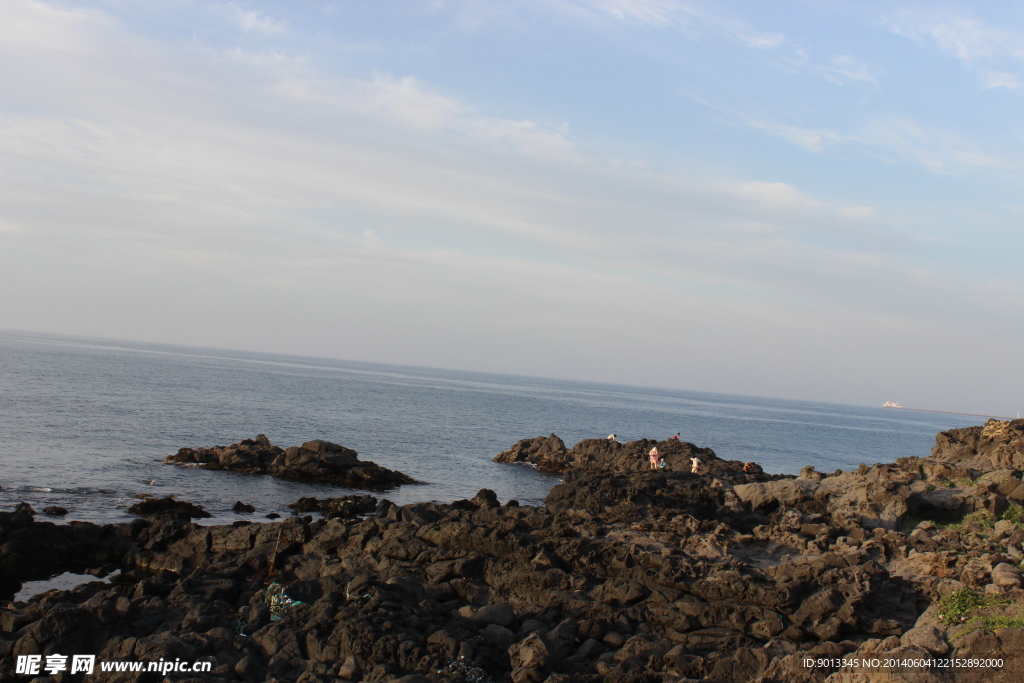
994,623
979,517
955,607
910,523
1015,514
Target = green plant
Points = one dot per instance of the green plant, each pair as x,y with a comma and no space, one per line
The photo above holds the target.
956,606
979,517
929,487
1015,514
995,623
910,523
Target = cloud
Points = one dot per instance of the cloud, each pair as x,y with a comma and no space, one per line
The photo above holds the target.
986,49
264,181
407,101
776,194
934,148
254,20
999,79
894,139
32,24
814,140
843,68
651,12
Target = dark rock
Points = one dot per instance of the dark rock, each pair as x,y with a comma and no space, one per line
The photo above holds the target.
177,508
334,508
546,452
624,575
316,460
55,510
242,507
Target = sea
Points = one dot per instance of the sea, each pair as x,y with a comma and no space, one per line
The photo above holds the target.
86,423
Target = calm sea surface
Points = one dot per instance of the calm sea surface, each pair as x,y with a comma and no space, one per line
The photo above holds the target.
85,424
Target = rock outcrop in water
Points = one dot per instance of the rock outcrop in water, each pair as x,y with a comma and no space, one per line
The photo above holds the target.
549,454
320,461
625,576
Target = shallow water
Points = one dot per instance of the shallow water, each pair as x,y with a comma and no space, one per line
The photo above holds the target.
65,582
85,424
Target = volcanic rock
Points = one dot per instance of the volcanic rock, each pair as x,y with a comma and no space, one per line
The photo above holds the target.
625,576
317,460
176,508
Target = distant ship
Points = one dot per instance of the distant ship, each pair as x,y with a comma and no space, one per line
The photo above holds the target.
891,404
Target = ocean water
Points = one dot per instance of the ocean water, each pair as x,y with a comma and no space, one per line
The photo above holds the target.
85,424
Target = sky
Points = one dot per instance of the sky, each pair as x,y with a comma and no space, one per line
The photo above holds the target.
801,199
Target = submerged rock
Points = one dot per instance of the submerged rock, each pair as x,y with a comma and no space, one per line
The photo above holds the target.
317,460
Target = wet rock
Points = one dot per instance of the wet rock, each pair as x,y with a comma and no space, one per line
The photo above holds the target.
55,510
333,508
239,506
179,509
315,460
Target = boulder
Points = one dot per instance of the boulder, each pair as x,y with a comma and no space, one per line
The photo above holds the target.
179,509
547,453
1007,576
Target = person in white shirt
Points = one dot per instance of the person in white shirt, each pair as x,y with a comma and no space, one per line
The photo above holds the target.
695,465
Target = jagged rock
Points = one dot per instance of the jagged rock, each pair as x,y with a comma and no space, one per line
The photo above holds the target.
316,460
625,576
177,508
239,506
546,452
996,445
332,508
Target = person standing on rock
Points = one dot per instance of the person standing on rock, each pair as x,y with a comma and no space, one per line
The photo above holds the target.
695,465
676,437
655,457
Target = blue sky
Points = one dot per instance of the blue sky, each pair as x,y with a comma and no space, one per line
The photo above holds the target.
815,199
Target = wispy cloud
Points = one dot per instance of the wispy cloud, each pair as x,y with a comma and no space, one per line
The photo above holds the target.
254,20
895,139
986,49
937,149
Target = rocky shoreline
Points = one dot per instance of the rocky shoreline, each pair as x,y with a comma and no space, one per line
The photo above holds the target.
623,575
